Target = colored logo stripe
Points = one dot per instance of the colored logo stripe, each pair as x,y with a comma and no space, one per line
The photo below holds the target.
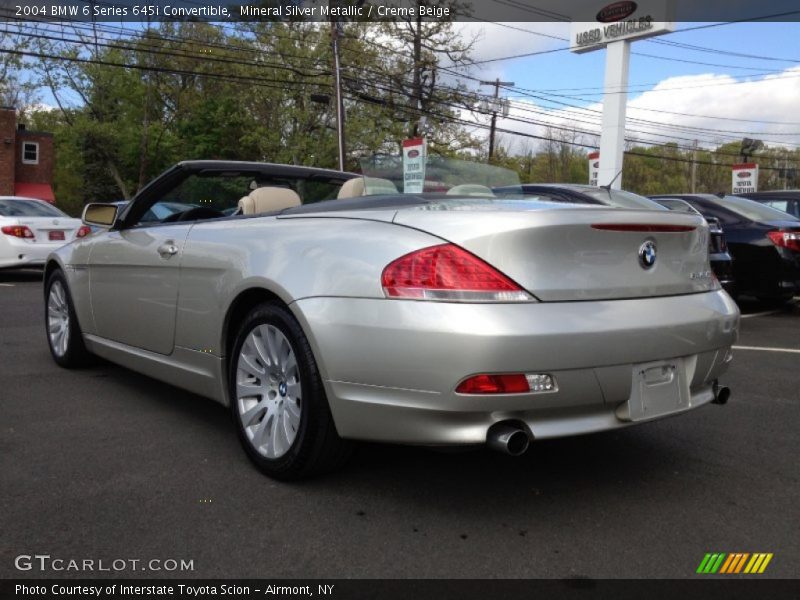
758,563
722,563
711,563
735,563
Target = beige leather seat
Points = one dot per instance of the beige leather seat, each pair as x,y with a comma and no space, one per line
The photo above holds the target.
268,199
366,186
376,185
470,189
352,188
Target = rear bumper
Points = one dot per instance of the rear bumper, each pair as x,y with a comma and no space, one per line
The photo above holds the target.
391,367
23,253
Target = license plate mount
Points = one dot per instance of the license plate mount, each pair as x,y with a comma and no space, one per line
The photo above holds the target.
657,389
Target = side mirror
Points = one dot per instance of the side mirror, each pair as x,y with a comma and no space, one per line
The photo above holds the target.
99,215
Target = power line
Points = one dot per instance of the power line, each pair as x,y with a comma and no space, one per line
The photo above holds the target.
229,46
583,145
515,56
259,82
718,132
584,109
695,62
696,48
534,10
178,54
138,48
175,71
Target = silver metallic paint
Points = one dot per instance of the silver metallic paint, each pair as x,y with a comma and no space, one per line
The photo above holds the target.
390,367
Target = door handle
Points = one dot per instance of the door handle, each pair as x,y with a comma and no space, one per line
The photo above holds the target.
167,249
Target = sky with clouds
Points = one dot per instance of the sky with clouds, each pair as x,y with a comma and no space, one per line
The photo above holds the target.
720,83
672,98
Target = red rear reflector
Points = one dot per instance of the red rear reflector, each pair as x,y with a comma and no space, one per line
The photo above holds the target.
515,383
20,231
448,272
786,239
643,227
83,231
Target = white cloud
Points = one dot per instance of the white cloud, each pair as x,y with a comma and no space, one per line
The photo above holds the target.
685,107
495,40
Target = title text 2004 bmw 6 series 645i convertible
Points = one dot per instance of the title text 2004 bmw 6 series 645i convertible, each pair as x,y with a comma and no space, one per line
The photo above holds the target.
324,307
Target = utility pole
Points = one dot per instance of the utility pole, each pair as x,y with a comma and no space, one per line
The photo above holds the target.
496,83
336,33
694,167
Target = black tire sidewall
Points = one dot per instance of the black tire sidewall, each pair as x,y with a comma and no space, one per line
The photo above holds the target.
293,462
76,353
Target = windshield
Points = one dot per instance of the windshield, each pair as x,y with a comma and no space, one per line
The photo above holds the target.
752,210
10,207
387,174
620,198
678,205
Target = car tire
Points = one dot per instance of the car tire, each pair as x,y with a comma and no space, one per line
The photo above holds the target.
64,336
277,399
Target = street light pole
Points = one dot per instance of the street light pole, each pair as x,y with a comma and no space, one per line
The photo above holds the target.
496,83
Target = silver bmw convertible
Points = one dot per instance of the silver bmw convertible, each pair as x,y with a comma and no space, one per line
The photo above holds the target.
325,307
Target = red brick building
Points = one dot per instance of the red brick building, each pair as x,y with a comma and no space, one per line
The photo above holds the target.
26,159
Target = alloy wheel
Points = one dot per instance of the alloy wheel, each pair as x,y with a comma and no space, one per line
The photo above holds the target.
58,319
268,391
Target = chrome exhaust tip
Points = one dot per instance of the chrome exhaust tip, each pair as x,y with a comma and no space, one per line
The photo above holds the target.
508,438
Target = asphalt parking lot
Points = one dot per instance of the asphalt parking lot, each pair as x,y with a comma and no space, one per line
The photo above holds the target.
107,464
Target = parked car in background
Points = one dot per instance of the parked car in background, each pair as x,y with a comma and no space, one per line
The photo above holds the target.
718,255
720,259
31,229
427,319
785,200
764,243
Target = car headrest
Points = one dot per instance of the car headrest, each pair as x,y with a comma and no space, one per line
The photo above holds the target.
352,188
470,189
366,186
376,185
268,199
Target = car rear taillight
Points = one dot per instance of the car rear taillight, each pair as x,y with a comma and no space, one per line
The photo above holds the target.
448,273
83,231
510,383
786,239
19,231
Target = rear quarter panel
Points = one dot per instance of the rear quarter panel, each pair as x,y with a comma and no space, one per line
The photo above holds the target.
294,258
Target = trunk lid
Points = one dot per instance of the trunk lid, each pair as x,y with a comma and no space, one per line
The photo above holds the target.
572,253
51,229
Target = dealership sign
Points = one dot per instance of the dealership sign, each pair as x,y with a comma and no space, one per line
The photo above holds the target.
413,165
601,23
594,167
745,178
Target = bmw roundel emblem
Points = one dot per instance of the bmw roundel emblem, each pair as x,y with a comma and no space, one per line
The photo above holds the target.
647,254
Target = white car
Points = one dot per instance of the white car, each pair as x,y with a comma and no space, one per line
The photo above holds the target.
31,229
